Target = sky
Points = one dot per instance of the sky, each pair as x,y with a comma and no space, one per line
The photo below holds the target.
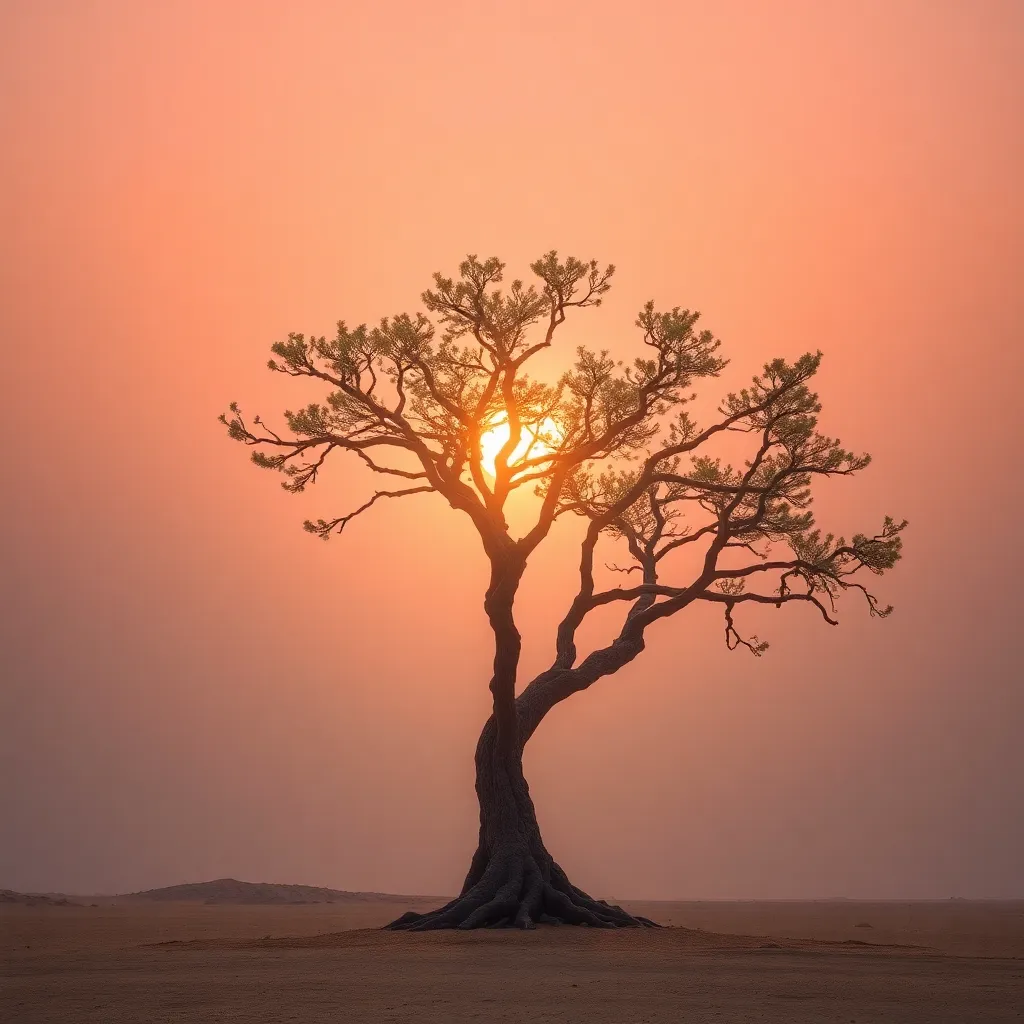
191,687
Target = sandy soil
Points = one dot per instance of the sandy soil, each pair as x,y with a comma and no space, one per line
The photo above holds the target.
770,962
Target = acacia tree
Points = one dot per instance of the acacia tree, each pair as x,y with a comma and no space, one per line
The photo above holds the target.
617,446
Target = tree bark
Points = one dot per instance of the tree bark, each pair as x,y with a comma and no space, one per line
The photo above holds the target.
513,881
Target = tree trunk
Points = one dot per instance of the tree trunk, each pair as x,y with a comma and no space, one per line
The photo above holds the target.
513,881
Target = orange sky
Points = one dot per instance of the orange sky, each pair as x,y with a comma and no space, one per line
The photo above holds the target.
192,687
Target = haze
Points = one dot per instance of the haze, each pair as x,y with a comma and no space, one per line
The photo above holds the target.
193,688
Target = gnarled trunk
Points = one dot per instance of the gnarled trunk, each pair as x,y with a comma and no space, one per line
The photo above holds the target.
513,881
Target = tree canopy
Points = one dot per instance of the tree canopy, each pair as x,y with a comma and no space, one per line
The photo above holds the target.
413,397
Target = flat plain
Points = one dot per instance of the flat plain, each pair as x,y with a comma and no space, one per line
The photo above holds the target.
822,961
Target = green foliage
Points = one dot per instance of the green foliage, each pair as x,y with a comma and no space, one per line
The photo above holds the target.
611,442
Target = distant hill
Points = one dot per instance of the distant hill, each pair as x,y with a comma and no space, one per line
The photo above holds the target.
231,890
35,899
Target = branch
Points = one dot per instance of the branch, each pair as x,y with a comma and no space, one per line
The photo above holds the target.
324,527
776,599
788,385
627,570
733,639
388,469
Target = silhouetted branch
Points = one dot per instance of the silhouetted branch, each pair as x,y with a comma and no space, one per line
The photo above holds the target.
325,527
388,469
774,599
627,570
733,639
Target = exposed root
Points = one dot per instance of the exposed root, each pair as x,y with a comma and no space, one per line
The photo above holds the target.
517,891
513,881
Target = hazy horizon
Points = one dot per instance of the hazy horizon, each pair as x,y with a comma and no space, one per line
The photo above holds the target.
192,688
622,897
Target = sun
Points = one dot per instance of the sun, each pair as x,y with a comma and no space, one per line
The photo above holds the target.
534,439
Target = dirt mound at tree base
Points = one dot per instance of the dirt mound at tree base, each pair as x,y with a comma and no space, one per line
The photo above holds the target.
552,937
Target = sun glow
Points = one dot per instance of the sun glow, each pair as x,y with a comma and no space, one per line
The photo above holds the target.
534,439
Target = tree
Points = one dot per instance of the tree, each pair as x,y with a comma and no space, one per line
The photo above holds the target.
454,413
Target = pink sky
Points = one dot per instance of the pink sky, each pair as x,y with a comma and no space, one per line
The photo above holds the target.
192,687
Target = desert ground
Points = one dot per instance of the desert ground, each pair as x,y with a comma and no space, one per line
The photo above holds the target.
157,960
